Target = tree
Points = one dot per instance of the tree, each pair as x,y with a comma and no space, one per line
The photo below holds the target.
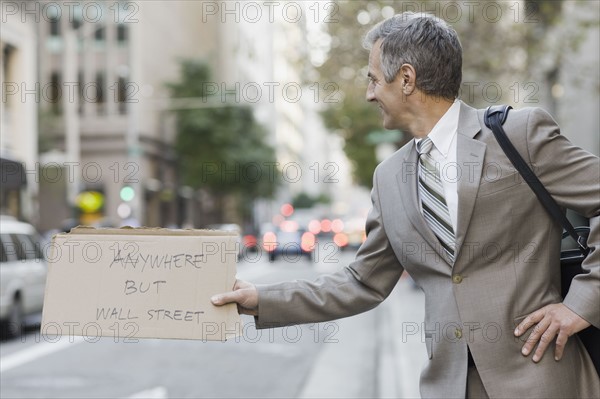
507,58
353,118
221,149
306,201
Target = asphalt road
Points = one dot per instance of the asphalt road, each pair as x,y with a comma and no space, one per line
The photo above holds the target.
263,363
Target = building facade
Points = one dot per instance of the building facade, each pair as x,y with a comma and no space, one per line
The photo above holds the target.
113,136
18,114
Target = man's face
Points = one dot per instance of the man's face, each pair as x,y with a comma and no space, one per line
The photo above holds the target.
388,96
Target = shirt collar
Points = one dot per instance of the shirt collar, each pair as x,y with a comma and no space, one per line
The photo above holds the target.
444,130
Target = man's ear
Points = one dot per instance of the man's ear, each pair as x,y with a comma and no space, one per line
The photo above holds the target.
408,75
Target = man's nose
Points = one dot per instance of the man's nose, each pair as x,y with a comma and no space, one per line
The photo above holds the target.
370,96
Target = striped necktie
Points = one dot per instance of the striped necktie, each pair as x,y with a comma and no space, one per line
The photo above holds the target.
431,193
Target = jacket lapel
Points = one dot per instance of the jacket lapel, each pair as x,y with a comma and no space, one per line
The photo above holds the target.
469,157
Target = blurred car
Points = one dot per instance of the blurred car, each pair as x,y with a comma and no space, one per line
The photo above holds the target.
289,243
23,272
334,231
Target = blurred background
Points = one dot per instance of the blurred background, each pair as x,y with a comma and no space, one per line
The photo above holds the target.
245,116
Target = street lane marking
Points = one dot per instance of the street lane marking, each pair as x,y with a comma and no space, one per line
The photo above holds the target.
34,352
154,393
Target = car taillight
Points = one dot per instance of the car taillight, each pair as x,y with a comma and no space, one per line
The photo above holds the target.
249,241
314,226
307,242
269,241
325,225
340,239
337,226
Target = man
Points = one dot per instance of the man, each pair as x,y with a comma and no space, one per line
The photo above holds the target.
449,209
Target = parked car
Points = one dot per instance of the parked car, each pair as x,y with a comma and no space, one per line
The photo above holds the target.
23,272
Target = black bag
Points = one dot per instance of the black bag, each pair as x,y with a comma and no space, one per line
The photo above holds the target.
570,259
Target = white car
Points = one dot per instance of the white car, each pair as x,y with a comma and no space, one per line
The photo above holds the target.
23,272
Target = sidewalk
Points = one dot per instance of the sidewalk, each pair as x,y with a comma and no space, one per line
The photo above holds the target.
401,355
370,358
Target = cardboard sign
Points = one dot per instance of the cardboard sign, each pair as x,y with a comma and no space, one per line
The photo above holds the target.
141,283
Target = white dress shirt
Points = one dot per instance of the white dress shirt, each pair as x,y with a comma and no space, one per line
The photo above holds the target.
443,136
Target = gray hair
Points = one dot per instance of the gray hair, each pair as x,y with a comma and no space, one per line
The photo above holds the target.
425,42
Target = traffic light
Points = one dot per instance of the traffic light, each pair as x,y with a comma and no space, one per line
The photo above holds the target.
89,206
127,193
90,201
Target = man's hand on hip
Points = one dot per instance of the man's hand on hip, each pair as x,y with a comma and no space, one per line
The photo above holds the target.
244,294
548,322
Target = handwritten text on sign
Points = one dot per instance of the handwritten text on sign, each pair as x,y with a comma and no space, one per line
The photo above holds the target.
161,283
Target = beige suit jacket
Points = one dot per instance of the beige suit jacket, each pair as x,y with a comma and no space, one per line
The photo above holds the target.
507,262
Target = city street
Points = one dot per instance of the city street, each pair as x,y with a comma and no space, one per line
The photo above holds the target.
171,138
364,356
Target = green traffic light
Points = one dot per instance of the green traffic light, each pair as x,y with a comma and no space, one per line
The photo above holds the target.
127,193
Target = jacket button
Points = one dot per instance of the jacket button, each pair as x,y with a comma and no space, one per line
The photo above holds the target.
457,279
458,333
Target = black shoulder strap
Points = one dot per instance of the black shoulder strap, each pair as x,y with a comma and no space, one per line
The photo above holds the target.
494,119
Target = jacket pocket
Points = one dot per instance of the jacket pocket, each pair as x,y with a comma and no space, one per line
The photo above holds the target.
494,185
